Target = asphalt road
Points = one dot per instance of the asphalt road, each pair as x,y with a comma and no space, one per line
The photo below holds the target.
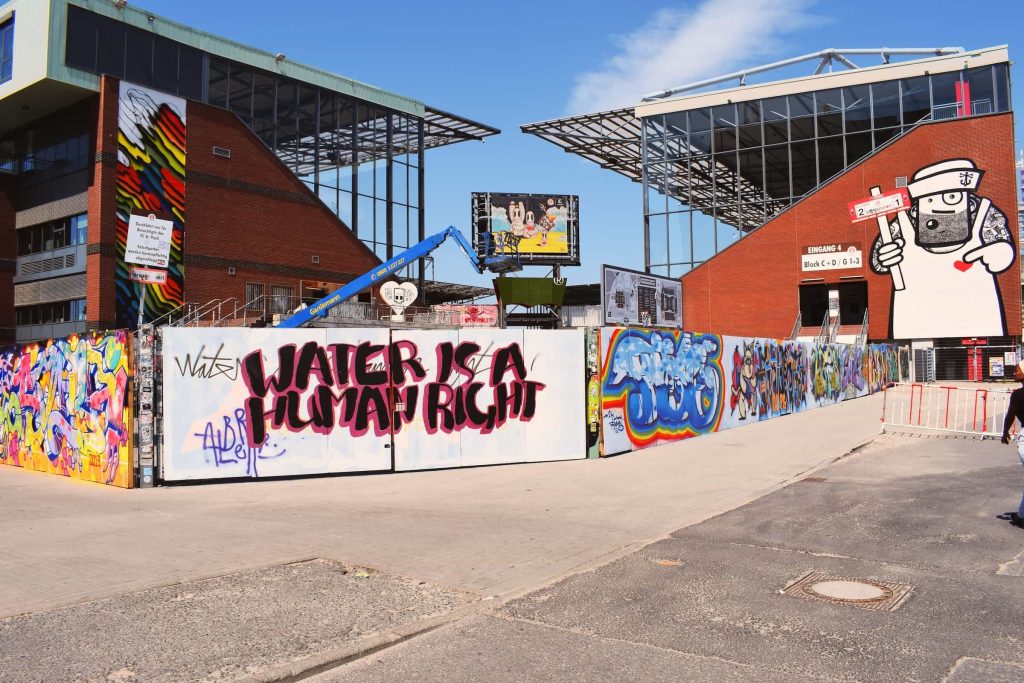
706,604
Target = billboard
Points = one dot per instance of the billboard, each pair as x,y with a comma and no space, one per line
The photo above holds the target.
542,228
630,297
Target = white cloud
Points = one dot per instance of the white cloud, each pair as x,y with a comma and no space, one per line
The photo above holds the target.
681,46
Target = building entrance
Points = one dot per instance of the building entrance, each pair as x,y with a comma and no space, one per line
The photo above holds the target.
847,300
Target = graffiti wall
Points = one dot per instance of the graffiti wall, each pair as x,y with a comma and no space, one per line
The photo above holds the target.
66,407
150,181
659,386
268,402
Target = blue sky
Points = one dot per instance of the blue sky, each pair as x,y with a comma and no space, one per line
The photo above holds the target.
507,64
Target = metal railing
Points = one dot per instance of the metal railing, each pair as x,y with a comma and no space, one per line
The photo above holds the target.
862,338
797,325
823,332
945,408
175,314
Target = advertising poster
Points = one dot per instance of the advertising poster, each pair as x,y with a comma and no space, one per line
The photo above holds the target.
541,229
630,297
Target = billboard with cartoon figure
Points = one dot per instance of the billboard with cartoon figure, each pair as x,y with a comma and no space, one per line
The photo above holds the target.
539,229
943,253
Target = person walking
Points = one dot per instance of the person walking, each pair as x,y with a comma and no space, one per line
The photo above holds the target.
1016,411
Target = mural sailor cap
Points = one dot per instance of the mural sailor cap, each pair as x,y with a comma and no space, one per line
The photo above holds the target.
954,175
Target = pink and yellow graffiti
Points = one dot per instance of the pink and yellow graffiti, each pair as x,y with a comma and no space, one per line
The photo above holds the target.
65,407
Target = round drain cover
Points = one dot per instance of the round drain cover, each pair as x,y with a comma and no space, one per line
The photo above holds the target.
848,590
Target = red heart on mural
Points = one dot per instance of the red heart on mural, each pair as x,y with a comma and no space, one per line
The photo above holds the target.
962,266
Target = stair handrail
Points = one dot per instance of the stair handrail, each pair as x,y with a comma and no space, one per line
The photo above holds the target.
833,332
862,338
823,330
197,314
797,325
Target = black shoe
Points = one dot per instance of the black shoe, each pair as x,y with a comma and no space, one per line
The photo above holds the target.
1016,520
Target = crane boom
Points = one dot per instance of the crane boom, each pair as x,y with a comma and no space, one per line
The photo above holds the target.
345,292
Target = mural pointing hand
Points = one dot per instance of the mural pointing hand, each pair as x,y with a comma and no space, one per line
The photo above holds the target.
997,256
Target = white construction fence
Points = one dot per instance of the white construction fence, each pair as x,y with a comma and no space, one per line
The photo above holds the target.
976,411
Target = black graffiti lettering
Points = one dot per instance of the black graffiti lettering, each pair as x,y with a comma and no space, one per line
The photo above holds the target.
510,357
363,374
464,359
445,359
255,378
372,385
206,366
340,354
476,417
312,358
399,365
372,404
434,408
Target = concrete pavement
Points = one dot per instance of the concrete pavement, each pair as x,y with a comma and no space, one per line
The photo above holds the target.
492,531
707,603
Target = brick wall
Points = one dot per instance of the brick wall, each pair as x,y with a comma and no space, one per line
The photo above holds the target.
8,256
99,277
248,212
251,213
752,288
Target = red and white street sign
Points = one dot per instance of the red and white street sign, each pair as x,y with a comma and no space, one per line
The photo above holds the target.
882,205
149,276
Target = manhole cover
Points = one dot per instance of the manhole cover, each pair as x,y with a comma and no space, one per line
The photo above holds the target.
842,590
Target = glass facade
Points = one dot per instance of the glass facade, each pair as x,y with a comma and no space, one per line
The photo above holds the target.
364,162
51,313
65,232
50,159
713,174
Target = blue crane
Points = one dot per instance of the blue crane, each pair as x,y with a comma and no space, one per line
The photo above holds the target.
502,259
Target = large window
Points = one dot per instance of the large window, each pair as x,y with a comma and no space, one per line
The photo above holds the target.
716,173
50,313
7,50
107,46
58,234
363,161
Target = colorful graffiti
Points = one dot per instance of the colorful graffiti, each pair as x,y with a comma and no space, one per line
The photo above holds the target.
66,408
150,180
660,385
769,378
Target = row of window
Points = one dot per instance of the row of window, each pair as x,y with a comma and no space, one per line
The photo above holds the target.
51,313
281,298
65,232
7,50
107,46
824,113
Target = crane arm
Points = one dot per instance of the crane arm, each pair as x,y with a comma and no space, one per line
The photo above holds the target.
320,308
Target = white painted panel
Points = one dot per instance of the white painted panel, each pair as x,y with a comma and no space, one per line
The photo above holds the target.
206,423
505,443
417,446
558,429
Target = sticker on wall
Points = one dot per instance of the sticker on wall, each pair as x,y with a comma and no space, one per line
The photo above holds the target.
943,254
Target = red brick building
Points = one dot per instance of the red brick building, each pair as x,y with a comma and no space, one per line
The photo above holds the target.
273,182
852,204
755,287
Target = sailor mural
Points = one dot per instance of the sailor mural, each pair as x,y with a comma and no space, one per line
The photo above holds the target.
946,252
